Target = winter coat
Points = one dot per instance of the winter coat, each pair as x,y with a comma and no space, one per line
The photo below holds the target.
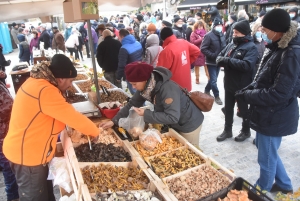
45,37
189,31
121,26
94,36
239,68
14,33
107,54
228,38
24,54
260,48
6,102
212,45
136,29
72,41
83,32
68,33
152,50
181,31
181,114
197,40
58,41
32,136
213,12
175,32
273,94
34,43
177,56
21,37
130,51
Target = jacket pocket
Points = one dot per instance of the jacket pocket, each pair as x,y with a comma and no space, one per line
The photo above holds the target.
284,114
260,115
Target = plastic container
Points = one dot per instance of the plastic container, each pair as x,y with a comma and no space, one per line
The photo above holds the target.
110,113
238,184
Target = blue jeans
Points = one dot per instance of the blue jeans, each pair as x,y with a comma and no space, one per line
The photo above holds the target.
213,71
95,48
131,89
11,187
271,166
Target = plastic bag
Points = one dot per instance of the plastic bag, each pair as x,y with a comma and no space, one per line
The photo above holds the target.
66,198
150,138
59,171
134,124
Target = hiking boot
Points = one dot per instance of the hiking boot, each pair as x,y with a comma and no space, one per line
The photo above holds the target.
227,133
223,110
218,101
276,188
244,134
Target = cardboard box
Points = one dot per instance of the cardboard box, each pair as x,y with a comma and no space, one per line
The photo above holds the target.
68,11
85,9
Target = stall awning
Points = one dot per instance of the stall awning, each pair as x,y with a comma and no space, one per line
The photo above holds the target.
196,4
246,2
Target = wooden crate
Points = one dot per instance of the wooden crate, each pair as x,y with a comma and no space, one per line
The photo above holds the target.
168,191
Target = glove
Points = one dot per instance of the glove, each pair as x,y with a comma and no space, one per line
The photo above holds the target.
239,96
222,61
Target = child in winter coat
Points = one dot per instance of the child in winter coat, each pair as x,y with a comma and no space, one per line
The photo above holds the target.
152,50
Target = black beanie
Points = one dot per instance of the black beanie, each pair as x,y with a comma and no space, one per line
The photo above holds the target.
199,14
233,17
277,20
176,19
168,24
217,21
262,13
294,9
139,17
243,27
165,33
62,67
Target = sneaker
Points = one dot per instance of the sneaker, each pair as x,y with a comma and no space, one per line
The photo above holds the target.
218,101
276,188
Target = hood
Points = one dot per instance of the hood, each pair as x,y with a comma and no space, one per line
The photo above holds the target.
164,73
152,40
289,36
129,39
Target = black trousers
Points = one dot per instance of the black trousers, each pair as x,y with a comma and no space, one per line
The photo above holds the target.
33,183
73,50
229,110
87,47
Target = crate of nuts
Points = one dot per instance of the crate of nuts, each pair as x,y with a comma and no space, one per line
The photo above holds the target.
84,86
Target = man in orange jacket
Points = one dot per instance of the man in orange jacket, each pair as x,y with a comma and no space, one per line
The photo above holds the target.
39,114
177,56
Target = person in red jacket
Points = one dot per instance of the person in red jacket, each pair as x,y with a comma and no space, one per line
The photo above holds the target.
177,56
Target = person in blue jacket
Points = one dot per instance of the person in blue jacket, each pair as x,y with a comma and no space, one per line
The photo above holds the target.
130,51
273,98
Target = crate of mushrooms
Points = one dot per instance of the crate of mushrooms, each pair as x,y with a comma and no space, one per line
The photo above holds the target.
195,183
173,162
170,142
81,76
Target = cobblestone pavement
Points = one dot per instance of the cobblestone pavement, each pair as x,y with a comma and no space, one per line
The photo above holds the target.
240,157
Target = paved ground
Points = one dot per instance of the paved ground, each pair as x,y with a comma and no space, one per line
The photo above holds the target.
239,157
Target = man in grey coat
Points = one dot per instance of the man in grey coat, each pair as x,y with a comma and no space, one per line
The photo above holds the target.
171,105
14,33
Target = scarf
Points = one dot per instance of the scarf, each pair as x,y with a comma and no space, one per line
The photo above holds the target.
146,93
42,71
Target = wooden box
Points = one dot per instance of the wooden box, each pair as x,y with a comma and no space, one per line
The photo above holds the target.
85,9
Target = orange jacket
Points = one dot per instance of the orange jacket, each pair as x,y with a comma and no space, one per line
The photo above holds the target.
39,114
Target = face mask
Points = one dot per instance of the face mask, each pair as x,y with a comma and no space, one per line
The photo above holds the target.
258,34
292,15
219,29
266,39
238,40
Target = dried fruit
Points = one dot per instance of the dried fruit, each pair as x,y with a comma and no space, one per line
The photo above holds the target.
86,86
168,144
107,177
101,153
198,183
235,195
175,161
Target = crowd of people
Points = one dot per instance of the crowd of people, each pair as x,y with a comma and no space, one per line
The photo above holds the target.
155,57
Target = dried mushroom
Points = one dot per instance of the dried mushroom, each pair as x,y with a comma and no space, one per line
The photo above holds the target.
74,98
86,86
174,162
128,196
168,144
81,77
103,178
101,153
114,96
198,184
235,195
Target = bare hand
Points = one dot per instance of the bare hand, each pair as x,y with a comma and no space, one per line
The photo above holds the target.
139,111
2,74
106,125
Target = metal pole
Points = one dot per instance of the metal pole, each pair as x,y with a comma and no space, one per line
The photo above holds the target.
165,10
93,61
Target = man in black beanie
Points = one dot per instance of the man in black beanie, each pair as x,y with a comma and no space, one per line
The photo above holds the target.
238,59
273,98
293,12
178,26
177,56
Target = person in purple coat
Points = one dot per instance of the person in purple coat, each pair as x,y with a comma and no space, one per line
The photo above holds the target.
94,37
33,43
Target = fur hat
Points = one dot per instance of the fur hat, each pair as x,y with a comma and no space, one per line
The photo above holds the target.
138,71
277,20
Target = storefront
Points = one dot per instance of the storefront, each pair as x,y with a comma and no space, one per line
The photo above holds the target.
254,7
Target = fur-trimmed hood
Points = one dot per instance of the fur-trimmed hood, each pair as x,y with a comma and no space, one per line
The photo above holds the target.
289,35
